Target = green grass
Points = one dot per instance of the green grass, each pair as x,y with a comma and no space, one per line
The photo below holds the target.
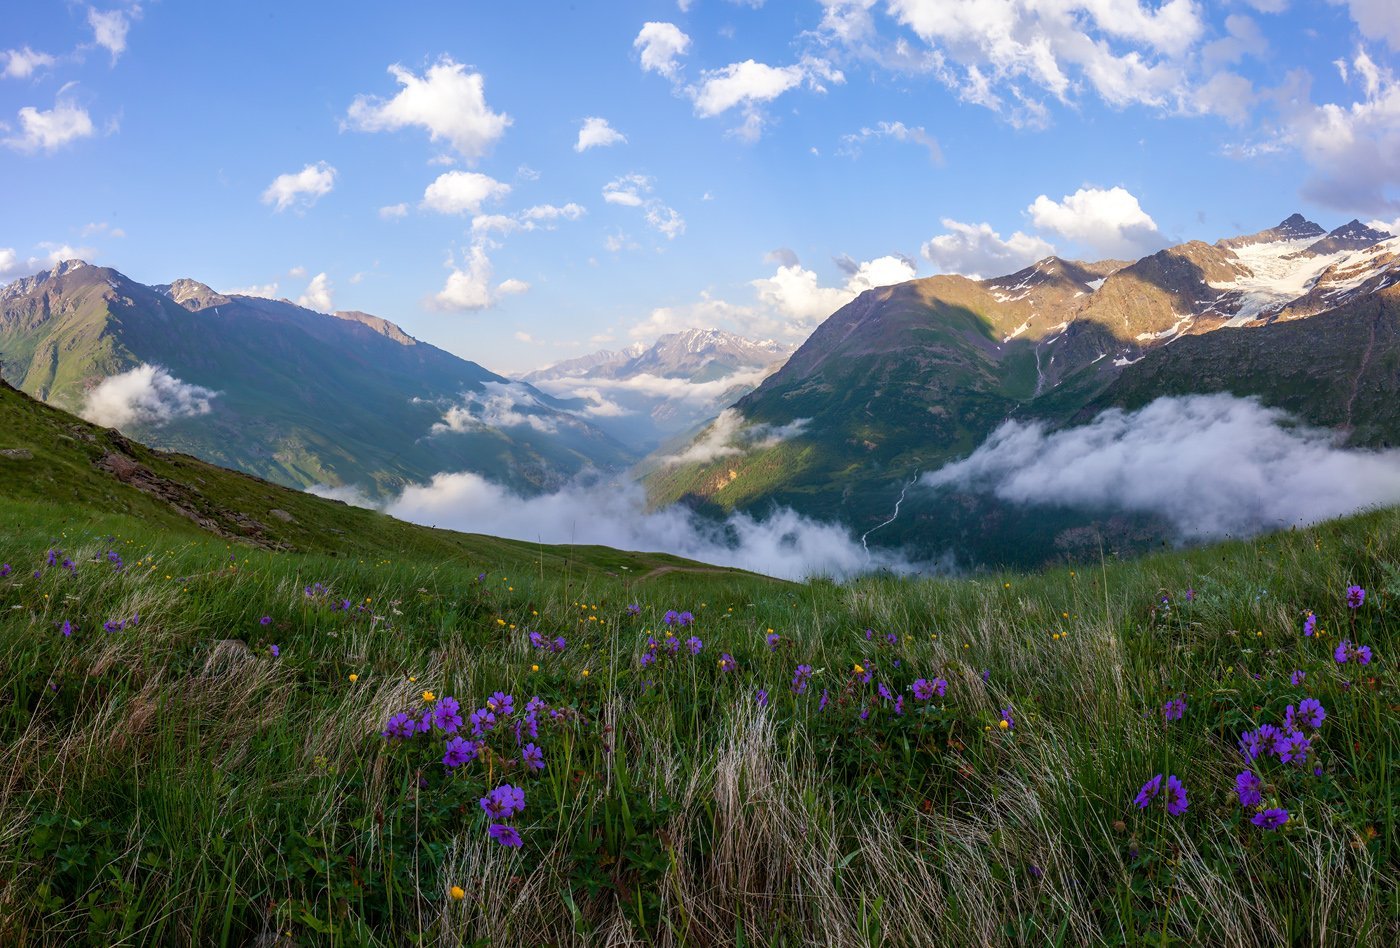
174,783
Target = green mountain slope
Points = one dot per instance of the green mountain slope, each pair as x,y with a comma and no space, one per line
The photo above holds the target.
302,397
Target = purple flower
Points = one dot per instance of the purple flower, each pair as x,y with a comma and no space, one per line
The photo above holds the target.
114,626
821,705
868,634
53,557
560,643
459,752
685,619
446,715
1174,709
1297,677
1190,595
986,675
1310,625
649,657
1355,597
891,638
1176,796
695,644
66,629
265,620
761,698
1310,712
504,801
4,570
799,679
400,726
1346,652
773,640
1007,717
1260,741
505,835
501,703
1271,818
1293,748
634,610
532,756
670,617
1248,787
482,720
1149,792
274,650
727,663
899,705
884,691
923,689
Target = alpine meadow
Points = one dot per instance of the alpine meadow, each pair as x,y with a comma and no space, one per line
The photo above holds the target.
937,480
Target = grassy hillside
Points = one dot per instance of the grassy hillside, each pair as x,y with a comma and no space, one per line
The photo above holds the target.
194,749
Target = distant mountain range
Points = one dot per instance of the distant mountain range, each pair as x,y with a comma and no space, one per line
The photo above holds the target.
907,377
643,394
270,388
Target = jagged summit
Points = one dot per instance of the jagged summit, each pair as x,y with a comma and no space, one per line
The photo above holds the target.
1353,235
1293,227
192,295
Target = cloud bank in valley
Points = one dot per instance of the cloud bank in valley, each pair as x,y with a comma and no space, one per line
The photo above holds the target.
1212,465
731,434
146,395
606,513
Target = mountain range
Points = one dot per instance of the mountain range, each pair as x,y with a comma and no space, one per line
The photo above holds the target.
302,398
906,378
646,394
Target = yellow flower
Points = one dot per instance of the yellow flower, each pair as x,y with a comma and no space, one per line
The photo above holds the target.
500,621
585,673
859,670
1003,724
1005,585
428,696
412,679
354,678
457,892
534,668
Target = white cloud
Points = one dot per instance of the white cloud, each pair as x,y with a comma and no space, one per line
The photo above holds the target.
661,45
447,100
627,190
318,295
731,435
393,212
101,227
146,395
1110,222
109,28
976,250
796,293
58,253
1376,19
21,63
897,131
9,263
462,192
1353,150
747,85
597,133
469,285
498,405
297,271
665,220
784,544
267,291
651,386
343,493
50,130
548,213
301,189
1212,465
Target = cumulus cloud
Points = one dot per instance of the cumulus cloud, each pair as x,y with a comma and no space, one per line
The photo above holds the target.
146,395
785,544
1375,19
317,295
597,133
1212,465
9,263
447,100
661,45
545,216
665,220
1110,222
634,190
749,84
895,131
22,63
267,291
469,285
596,390
300,189
51,129
976,250
498,405
731,434
795,292
1353,149
109,28
627,190
462,192
393,212
54,254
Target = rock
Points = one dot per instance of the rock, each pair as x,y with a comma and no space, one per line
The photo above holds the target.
17,454
281,515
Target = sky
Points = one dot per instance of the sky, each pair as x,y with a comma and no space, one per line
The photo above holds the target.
522,183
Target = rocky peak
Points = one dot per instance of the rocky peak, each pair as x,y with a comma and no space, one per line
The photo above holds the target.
1353,235
1293,227
379,324
192,295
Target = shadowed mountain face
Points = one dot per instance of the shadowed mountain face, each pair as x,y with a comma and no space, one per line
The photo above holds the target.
908,377
277,390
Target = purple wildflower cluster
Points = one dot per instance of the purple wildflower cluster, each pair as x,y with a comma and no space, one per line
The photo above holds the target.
1356,596
1175,798
800,677
727,662
1292,744
925,690
668,647
682,619
501,804
545,644
1347,652
1310,625
1175,709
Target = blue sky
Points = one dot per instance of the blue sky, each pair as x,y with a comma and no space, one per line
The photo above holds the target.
758,165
